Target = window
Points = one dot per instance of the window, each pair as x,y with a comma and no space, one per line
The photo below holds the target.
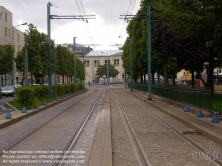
18,37
96,63
106,61
18,48
5,17
5,31
86,63
116,62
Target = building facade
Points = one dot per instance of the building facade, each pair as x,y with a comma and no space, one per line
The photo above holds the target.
95,58
10,35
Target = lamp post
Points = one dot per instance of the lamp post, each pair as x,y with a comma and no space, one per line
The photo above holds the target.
12,83
107,70
92,72
74,50
26,61
149,93
49,41
131,73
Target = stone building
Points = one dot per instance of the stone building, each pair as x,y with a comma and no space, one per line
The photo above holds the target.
10,35
95,58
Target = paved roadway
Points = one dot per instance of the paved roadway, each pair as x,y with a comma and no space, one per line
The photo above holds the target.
4,108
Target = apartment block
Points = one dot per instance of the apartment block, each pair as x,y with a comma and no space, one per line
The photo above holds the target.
10,35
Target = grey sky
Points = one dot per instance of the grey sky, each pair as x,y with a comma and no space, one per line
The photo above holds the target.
104,30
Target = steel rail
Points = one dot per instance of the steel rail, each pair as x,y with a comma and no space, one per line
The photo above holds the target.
76,135
189,140
41,126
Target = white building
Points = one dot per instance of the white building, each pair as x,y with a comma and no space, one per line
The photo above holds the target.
10,35
95,58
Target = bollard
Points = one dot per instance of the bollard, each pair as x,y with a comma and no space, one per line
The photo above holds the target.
186,109
51,100
24,110
215,119
44,103
57,98
36,106
8,115
200,114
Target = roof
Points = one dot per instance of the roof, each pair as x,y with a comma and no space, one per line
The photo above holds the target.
105,53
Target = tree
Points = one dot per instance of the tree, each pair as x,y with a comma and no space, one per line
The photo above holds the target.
6,59
200,20
80,70
102,70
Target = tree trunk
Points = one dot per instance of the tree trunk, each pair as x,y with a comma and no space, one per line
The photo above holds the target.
173,77
192,72
5,79
141,78
144,78
153,81
63,79
31,79
210,80
165,72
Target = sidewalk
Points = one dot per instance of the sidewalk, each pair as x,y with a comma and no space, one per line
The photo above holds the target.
203,125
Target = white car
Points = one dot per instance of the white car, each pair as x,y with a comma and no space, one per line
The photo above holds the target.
8,91
17,85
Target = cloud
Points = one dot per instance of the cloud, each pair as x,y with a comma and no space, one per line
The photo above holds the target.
105,29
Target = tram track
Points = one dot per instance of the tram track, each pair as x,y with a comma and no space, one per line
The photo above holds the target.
77,133
137,148
141,155
47,122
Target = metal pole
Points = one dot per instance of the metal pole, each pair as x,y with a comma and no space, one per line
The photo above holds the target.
74,50
13,60
92,71
150,96
26,61
131,73
107,70
84,65
124,80
49,41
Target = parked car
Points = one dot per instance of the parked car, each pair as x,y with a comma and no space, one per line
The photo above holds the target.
8,91
17,85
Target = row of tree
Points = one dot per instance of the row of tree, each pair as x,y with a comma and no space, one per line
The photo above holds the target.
185,34
62,60
6,59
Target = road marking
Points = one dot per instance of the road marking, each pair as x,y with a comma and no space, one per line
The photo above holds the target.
3,107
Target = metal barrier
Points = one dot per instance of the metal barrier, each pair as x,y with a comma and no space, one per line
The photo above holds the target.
194,96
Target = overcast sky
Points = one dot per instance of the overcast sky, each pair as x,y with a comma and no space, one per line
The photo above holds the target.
104,30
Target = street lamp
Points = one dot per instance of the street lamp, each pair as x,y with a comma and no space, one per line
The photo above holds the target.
14,51
74,50
149,93
131,73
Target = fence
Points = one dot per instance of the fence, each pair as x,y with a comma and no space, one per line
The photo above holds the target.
194,96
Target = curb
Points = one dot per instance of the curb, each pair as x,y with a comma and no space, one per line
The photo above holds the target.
8,122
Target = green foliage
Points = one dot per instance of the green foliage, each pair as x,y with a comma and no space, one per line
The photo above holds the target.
40,91
102,70
25,96
6,58
29,96
20,60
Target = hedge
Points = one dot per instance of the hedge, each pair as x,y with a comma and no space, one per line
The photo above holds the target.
26,95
